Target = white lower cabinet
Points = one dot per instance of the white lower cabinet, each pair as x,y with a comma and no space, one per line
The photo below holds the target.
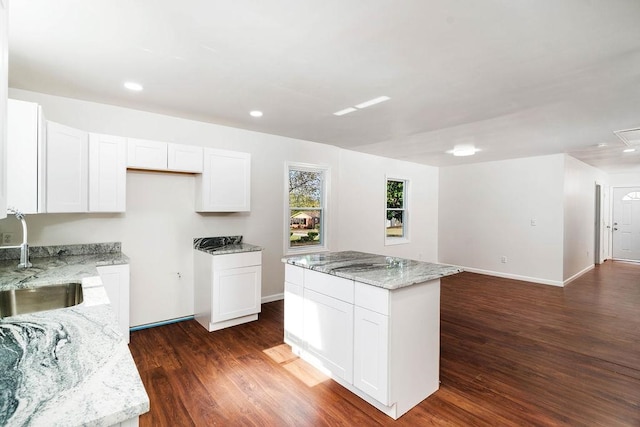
328,333
228,288
371,353
293,314
383,345
115,279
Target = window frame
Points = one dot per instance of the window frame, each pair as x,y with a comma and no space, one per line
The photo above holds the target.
389,241
324,208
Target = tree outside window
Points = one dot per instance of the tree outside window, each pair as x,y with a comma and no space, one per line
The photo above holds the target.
306,207
396,213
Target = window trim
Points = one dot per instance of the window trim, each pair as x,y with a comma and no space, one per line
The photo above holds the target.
390,241
324,224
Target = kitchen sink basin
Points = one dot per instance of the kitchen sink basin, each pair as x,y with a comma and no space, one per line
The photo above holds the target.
31,300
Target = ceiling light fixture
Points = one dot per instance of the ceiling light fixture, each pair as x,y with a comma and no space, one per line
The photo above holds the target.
362,105
628,150
136,87
373,101
463,150
602,145
345,111
255,113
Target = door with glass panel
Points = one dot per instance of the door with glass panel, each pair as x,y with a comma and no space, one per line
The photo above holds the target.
626,223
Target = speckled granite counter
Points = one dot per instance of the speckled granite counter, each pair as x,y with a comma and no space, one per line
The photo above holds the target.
377,270
223,245
69,366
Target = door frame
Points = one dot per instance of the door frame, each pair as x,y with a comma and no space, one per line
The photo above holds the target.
610,223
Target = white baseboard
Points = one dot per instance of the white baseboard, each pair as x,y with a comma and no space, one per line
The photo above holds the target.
271,298
514,276
578,274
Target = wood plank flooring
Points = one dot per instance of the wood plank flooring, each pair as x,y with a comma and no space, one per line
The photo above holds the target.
512,354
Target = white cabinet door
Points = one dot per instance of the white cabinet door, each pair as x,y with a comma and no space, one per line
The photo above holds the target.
4,72
328,332
115,279
145,154
293,314
107,173
184,158
67,169
236,293
371,353
225,182
25,156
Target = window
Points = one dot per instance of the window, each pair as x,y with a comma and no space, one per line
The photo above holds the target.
634,195
396,211
306,207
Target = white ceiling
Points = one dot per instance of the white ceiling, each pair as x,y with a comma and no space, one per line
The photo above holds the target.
514,78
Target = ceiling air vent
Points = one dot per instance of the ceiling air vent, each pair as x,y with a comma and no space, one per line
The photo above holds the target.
631,137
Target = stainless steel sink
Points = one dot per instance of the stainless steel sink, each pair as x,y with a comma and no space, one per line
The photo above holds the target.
21,301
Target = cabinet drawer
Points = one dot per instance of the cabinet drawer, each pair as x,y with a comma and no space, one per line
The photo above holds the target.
293,274
244,259
372,297
326,284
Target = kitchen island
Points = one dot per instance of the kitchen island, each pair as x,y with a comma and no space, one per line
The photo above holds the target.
69,366
371,322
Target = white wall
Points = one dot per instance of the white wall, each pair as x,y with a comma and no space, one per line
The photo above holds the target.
579,216
485,212
159,224
628,179
362,203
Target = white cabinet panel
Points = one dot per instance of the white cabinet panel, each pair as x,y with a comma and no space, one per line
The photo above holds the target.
227,288
67,169
236,293
26,131
328,333
371,354
146,154
184,158
333,286
115,279
4,72
293,314
107,173
225,182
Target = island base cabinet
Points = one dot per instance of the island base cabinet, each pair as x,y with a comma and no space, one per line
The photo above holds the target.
131,422
384,346
371,353
328,333
293,314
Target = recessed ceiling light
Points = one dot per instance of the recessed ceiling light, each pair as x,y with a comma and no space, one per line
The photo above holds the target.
602,145
463,150
256,113
373,101
137,87
628,150
345,111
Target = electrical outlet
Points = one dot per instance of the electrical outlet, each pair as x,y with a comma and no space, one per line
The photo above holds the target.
503,260
7,238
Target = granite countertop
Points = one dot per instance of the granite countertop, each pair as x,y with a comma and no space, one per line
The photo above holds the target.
223,245
68,366
377,270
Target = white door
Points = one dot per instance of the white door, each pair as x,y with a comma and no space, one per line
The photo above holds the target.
626,223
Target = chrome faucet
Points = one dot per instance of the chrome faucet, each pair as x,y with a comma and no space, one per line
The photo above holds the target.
24,247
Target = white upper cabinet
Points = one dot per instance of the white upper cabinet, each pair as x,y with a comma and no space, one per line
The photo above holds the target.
67,169
4,53
107,173
25,156
184,158
225,183
163,156
145,154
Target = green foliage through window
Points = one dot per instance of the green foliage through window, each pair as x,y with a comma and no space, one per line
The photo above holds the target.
306,199
396,209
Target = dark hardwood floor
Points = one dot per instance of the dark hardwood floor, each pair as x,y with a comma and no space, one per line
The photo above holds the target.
512,354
